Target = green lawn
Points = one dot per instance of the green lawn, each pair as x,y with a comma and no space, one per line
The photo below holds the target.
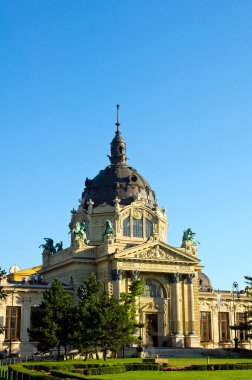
183,375
174,362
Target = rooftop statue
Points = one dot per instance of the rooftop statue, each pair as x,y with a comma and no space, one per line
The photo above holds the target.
48,246
80,231
109,230
59,247
189,236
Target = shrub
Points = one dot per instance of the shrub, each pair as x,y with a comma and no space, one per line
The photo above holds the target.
105,370
171,369
142,366
67,374
219,367
22,373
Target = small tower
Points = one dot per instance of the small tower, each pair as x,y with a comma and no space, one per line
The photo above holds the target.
118,145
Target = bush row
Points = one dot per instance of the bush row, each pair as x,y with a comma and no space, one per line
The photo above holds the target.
69,375
22,373
80,374
37,371
215,367
142,366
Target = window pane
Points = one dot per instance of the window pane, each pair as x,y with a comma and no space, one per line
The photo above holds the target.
126,226
13,322
137,227
205,326
224,329
241,319
153,288
148,228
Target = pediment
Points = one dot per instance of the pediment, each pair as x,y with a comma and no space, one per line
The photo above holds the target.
156,251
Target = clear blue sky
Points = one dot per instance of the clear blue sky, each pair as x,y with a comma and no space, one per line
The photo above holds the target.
181,71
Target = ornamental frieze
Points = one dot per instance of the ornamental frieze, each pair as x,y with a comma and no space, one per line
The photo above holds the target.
155,267
154,253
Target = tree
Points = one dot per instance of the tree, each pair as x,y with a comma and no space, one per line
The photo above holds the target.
104,321
52,320
248,324
3,295
88,316
117,325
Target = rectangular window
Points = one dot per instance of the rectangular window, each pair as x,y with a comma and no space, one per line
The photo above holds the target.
205,326
224,328
241,319
13,323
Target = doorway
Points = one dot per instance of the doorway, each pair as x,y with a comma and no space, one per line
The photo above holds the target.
151,326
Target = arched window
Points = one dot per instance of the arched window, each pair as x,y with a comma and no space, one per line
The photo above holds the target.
148,228
137,227
126,226
153,288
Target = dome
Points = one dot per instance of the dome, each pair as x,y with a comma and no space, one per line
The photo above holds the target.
118,180
14,268
204,283
121,181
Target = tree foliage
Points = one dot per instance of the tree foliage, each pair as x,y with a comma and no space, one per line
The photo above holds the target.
248,324
99,321
52,320
104,321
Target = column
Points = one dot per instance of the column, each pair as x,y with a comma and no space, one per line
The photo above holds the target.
116,276
191,340
191,314
177,338
177,329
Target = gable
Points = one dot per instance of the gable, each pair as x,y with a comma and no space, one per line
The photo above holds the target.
156,251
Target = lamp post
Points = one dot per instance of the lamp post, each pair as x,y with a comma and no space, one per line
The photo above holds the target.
235,289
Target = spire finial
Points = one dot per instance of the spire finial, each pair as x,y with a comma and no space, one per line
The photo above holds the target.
117,118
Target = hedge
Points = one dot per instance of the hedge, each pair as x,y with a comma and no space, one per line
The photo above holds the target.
142,366
22,373
216,367
80,373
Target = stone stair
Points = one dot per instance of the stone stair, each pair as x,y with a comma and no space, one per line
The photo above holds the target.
168,352
188,353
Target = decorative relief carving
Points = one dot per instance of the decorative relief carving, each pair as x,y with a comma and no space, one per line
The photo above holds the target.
149,216
150,306
154,253
124,214
137,213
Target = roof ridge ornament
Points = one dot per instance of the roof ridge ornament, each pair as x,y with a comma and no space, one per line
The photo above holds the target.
117,118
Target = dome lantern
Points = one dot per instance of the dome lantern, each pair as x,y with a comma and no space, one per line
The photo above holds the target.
118,145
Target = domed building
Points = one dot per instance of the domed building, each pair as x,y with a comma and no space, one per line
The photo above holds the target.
119,232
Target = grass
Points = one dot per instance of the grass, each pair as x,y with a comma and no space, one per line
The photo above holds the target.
174,362
192,375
